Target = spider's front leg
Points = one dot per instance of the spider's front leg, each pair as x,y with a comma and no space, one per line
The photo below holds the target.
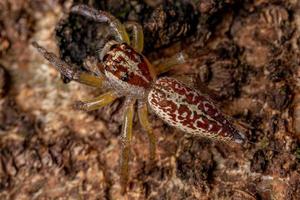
68,71
126,141
103,17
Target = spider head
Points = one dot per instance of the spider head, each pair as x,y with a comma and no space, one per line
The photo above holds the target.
128,71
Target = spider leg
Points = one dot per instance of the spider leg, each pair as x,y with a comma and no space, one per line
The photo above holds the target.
126,142
137,35
96,102
102,16
68,71
144,121
168,63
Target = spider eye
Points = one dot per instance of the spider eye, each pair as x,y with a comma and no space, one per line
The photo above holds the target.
113,46
104,57
124,77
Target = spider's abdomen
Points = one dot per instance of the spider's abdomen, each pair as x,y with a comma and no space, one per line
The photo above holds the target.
190,111
127,69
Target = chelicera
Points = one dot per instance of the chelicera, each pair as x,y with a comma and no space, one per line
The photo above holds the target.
127,72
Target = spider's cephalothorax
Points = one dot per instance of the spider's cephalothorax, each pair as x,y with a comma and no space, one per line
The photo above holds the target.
128,73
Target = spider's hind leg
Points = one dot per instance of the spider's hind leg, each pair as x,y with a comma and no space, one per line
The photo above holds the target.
68,71
126,142
143,117
103,17
167,64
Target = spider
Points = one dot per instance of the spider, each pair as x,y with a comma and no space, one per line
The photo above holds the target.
127,72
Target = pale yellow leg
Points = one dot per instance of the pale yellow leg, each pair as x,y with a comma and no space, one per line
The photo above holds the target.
88,79
65,69
168,63
126,142
137,41
97,102
143,117
102,16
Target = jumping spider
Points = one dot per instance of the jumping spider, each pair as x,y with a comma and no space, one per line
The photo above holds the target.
128,73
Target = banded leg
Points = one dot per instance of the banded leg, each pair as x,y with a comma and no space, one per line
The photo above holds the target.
104,17
137,41
97,102
168,63
143,117
68,71
126,142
